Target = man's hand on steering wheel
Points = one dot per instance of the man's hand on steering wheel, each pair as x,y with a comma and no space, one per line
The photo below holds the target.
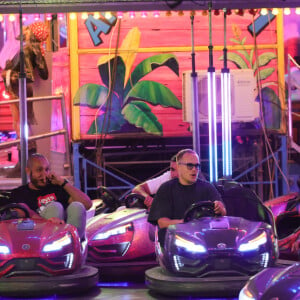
219,208
56,220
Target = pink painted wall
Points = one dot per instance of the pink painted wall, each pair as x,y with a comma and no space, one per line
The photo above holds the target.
169,33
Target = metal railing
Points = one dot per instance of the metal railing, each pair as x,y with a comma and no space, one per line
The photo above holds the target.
63,131
280,186
80,167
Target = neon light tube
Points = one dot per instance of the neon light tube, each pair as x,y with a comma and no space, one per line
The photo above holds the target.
226,123
212,126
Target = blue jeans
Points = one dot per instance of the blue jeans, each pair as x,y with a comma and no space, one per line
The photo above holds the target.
75,214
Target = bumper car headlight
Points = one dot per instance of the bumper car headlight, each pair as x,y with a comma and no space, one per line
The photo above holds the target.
58,244
254,243
245,294
4,249
114,231
189,245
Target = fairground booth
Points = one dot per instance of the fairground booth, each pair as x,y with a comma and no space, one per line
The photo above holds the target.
130,83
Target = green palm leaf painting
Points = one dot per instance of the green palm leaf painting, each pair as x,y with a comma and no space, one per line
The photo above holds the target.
245,59
124,98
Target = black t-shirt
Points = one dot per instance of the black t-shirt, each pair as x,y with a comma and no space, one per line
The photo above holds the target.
36,199
173,199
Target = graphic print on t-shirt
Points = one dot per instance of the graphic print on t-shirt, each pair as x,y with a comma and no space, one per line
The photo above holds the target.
44,200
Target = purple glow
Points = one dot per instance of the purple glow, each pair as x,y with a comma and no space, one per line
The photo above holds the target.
115,284
226,124
212,126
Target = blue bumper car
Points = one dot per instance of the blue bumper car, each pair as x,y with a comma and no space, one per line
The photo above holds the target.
274,283
212,256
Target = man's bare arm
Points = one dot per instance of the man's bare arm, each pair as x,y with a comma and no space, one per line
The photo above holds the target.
165,222
75,194
143,189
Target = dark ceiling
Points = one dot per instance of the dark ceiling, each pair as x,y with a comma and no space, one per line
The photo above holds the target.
56,6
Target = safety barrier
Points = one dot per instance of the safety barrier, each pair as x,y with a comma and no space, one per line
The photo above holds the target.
63,131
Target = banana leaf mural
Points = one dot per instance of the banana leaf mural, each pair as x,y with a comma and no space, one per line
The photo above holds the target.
123,99
245,59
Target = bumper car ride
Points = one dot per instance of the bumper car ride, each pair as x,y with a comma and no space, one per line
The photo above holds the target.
286,210
274,283
212,256
38,257
123,237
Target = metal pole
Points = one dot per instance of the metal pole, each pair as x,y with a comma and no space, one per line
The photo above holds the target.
76,165
195,106
290,123
66,136
23,107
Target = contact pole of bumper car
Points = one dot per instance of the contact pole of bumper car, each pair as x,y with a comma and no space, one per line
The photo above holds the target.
195,106
23,107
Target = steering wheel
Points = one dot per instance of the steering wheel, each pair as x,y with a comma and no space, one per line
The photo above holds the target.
7,211
135,200
109,199
198,210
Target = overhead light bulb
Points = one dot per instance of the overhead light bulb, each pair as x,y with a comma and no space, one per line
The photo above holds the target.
84,16
216,12
12,18
155,14
60,16
107,15
72,16
48,17
252,11
119,15
264,11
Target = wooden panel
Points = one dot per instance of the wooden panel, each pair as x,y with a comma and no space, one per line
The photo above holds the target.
172,34
176,31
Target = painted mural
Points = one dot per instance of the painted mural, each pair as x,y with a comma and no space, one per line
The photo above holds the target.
123,98
130,70
292,50
145,97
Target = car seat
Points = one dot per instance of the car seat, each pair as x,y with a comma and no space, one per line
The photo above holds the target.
243,202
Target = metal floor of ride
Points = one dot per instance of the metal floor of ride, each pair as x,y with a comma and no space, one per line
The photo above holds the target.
123,284
117,291
125,287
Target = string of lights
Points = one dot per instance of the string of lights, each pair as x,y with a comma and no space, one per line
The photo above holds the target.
155,14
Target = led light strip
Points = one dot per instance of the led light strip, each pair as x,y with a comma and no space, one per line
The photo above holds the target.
212,110
226,112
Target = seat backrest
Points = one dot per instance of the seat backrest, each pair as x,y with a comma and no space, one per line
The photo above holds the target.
243,202
5,198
